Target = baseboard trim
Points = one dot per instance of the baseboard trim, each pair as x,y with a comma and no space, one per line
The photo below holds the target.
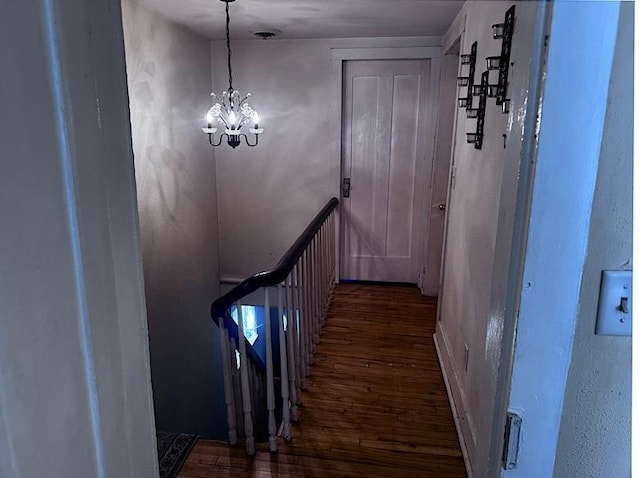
454,408
377,282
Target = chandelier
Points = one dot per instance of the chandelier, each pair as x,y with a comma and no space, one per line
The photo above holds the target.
231,111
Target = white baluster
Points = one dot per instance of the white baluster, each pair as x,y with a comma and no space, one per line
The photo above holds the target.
329,243
246,393
334,255
307,310
312,292
325,253
229,398
318,260
271,401
295,338
237,389
302,330
307,293
323,276
284,376
304,315
321,262
293,388
302,324
327,285
316,278
251,374
332,249
327,271
323,272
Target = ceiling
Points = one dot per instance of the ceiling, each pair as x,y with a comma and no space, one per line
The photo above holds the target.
312,18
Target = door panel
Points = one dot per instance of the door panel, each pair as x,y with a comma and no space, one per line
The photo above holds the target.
383,155
368,178
406,95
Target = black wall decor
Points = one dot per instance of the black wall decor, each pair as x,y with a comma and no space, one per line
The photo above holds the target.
467,81
481,91
484,90
473,90
503,31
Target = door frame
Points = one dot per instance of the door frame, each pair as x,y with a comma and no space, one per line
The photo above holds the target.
337,58
454,34
537,292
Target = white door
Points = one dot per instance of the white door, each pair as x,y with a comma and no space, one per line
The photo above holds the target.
384,138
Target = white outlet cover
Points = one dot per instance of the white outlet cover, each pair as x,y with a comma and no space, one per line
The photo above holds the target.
611,319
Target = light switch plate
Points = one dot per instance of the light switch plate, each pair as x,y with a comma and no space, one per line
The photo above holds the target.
615,297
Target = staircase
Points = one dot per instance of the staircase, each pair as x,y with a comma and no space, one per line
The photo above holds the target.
262,388
375,404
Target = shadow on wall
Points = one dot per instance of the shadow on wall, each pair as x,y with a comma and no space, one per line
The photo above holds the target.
169,79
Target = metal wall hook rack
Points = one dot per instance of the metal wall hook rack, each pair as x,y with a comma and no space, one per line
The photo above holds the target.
484,90
463,102
493,62
467,81
503,31
498,30
472,113
478,113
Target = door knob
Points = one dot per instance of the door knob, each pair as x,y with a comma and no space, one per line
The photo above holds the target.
442,206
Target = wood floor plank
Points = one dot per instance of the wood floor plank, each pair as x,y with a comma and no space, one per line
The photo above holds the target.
375,403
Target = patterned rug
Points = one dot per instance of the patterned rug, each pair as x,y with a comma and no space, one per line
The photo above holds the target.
173,449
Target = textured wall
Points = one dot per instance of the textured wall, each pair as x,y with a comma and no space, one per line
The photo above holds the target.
268,194
169,84
595,434
481,209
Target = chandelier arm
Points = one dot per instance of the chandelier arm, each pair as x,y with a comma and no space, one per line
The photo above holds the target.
229,51
219,140
246,140
233,140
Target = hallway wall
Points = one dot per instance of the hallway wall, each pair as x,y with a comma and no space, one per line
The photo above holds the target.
169,84
268,194
595,433
481,211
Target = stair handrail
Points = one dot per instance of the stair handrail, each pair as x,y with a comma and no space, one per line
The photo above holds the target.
304,279
276,275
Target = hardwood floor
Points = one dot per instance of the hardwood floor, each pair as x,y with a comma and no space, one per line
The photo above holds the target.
375,403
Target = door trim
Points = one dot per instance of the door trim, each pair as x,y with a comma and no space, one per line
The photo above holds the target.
337,58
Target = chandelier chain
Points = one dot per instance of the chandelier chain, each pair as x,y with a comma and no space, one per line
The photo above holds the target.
231,112
229,51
